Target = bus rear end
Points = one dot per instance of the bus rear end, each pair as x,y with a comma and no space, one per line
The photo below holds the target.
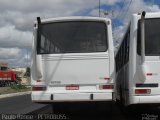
73,60
147,77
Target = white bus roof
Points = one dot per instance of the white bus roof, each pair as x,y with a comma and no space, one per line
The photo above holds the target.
148,15
70,18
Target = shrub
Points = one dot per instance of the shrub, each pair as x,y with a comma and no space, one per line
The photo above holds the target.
18,87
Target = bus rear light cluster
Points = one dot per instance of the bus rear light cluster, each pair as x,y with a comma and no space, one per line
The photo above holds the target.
106,78
142,91
39,80
38,88
102,87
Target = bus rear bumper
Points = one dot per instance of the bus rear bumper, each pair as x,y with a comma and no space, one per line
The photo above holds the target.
67,97
145,99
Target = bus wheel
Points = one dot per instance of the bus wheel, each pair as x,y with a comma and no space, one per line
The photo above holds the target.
121,97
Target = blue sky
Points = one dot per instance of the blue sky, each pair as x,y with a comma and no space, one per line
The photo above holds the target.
124,6
17,19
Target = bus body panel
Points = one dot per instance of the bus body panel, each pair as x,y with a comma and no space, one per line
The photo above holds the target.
74,76
136,81
74,69
152,72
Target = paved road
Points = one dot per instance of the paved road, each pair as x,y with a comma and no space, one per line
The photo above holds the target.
82,111
19,104
77,111
101,111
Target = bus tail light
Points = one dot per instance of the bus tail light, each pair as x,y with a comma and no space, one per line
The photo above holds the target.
38,88
101,87
39,80
142,91
106,78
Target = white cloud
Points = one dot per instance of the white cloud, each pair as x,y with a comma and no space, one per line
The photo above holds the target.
11,37
118,34
95,12
15,57
22,13
17,18
137,6
109,2
12,53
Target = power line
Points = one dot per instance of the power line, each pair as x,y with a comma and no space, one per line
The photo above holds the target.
127,10
120,12
152,2
121,9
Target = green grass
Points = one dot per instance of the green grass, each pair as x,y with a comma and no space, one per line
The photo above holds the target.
14,89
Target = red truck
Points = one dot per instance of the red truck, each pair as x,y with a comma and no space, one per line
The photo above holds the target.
7,76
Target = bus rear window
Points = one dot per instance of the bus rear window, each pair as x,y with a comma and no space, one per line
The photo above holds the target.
72,37
152,37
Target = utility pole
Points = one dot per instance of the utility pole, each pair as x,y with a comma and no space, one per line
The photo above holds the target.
99,7
104,12
27,58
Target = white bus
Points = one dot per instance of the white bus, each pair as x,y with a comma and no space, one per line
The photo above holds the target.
138,61
73,60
